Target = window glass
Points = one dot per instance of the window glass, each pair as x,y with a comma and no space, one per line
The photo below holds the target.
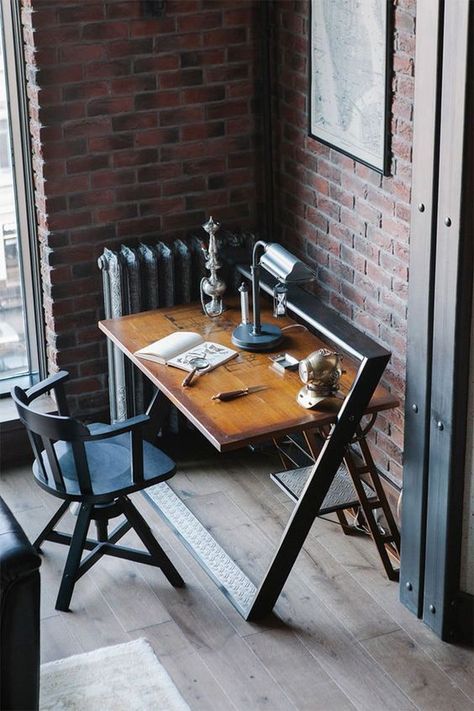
13,342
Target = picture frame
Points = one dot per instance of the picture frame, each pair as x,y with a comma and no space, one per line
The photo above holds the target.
349,78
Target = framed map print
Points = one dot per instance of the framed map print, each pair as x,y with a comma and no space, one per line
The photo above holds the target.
349,78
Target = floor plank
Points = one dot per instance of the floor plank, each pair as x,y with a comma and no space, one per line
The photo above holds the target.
360,562
184,665
90,619
338,639
304,680
414,672
128,594
223,650
338,652
57,641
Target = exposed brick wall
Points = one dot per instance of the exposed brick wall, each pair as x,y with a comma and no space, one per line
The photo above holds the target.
141,128
346,220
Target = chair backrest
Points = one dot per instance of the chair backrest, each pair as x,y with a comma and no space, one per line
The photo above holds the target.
45,430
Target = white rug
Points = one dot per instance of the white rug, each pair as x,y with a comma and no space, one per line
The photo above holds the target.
126,677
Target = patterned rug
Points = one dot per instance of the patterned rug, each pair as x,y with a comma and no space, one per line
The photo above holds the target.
126,677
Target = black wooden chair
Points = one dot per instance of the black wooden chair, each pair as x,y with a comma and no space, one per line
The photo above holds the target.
96,465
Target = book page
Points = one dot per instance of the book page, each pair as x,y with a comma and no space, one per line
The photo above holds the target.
170,346
205,356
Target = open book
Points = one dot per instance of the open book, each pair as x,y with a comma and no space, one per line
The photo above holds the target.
187,350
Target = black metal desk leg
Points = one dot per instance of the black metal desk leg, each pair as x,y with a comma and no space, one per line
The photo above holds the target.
297,529
158,410
317,486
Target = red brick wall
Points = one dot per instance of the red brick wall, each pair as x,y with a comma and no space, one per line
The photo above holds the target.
141,128
346,220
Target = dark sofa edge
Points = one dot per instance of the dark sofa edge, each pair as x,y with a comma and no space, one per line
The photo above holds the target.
19,616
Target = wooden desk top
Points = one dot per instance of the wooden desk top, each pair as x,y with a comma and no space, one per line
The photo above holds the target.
259,416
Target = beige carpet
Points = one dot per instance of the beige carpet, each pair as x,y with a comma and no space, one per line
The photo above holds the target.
126,677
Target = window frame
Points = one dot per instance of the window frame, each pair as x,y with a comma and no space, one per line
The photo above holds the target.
22,168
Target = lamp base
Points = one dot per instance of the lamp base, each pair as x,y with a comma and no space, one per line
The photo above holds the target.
269,337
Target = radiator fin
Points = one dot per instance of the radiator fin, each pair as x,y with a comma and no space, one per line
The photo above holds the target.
147,276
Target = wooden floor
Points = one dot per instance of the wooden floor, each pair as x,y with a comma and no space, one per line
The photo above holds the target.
339,638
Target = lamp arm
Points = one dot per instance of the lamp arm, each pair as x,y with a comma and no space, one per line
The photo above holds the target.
255,273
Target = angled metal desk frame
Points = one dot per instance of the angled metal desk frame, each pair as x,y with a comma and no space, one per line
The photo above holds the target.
373,360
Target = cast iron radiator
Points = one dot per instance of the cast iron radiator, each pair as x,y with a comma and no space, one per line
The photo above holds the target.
149,276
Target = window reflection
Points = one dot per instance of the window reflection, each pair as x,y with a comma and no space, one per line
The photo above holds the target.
13,349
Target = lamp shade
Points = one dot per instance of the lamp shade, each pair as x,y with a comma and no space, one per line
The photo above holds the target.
287,269
284,266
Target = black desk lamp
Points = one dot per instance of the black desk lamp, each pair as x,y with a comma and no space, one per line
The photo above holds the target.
287,269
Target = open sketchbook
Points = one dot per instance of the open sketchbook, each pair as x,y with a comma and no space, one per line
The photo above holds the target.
187,350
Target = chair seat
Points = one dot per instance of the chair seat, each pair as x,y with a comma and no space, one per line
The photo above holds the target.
109,466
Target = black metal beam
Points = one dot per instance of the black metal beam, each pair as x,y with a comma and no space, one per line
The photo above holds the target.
451,325
429,24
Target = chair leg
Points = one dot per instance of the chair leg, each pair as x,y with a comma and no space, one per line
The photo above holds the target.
74,557
150,542
102,531
50,526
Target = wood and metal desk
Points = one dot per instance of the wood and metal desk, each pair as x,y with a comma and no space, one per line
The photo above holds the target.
269,414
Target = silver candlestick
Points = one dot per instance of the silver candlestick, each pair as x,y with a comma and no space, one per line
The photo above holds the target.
212,285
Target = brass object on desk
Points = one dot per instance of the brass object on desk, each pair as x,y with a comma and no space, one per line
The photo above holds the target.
321,372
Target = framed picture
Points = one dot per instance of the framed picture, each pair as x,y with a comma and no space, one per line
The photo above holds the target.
349,78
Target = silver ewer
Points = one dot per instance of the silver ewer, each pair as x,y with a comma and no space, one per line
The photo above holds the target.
212,285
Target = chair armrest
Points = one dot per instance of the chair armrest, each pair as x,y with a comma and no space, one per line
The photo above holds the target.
118,428
54,382
46,385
